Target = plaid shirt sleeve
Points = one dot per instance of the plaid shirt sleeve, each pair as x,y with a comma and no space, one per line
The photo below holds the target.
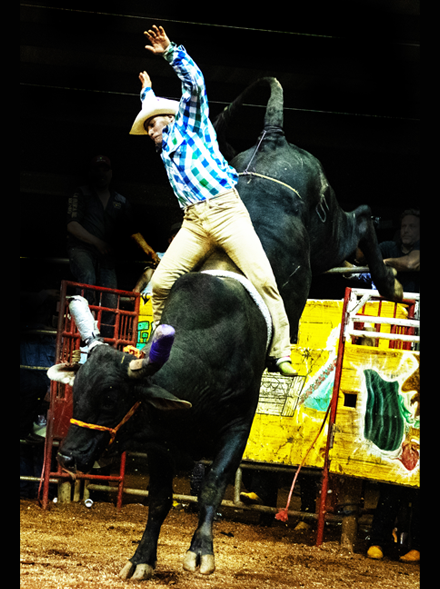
195,166
193,109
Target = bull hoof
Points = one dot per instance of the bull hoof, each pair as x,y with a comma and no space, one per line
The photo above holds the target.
398,291
207,564
141,572
190,562
127,571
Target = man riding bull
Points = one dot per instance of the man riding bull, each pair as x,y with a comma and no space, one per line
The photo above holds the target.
205,186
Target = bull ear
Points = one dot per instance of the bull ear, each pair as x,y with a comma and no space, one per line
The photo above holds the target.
162,399
64,373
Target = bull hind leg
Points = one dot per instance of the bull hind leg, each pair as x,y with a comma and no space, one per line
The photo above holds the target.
200,555
383,276
142,564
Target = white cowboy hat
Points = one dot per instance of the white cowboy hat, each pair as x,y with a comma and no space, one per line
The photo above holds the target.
152,107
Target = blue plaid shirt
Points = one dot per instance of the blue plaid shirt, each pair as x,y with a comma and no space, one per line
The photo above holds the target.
195,166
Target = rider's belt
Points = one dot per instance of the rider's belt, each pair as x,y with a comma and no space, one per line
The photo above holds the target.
225,193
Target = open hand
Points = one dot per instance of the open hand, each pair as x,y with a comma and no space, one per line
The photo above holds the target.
158,39
145,80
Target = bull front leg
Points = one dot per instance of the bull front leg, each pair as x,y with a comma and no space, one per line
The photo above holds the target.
142,564
200,555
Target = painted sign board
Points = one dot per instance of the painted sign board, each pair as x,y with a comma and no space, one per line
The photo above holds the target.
377,430
145,322
377,433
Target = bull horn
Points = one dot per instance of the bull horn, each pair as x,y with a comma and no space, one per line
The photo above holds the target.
159,353
85,322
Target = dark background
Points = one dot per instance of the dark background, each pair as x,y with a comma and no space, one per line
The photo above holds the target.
349,70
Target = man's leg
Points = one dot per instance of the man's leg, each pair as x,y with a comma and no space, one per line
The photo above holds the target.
106,276
190,245
83,267
231,227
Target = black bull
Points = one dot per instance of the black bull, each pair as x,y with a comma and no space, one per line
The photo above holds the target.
219,351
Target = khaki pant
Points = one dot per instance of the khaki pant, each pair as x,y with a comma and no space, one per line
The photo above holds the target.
223,221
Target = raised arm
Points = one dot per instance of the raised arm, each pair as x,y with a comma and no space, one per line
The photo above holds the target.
145,80
194,109
158,39
188,71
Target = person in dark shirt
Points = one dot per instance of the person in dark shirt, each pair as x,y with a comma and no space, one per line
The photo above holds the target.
96,218
403,254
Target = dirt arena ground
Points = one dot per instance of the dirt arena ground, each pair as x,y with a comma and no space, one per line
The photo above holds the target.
71,546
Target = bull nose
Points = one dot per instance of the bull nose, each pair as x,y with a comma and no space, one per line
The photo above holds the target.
67,461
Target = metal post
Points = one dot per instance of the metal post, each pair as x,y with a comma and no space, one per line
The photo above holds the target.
45,474
332,418
237,486
47,458
121,482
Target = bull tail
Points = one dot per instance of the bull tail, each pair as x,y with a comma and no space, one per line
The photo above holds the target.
273,117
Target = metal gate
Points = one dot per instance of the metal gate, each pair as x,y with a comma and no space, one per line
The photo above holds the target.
116,312
387,334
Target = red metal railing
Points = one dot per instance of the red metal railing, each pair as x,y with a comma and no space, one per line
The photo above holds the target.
118,326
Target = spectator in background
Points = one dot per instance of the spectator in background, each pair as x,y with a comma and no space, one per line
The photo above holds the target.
97,217
403,253
392,500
